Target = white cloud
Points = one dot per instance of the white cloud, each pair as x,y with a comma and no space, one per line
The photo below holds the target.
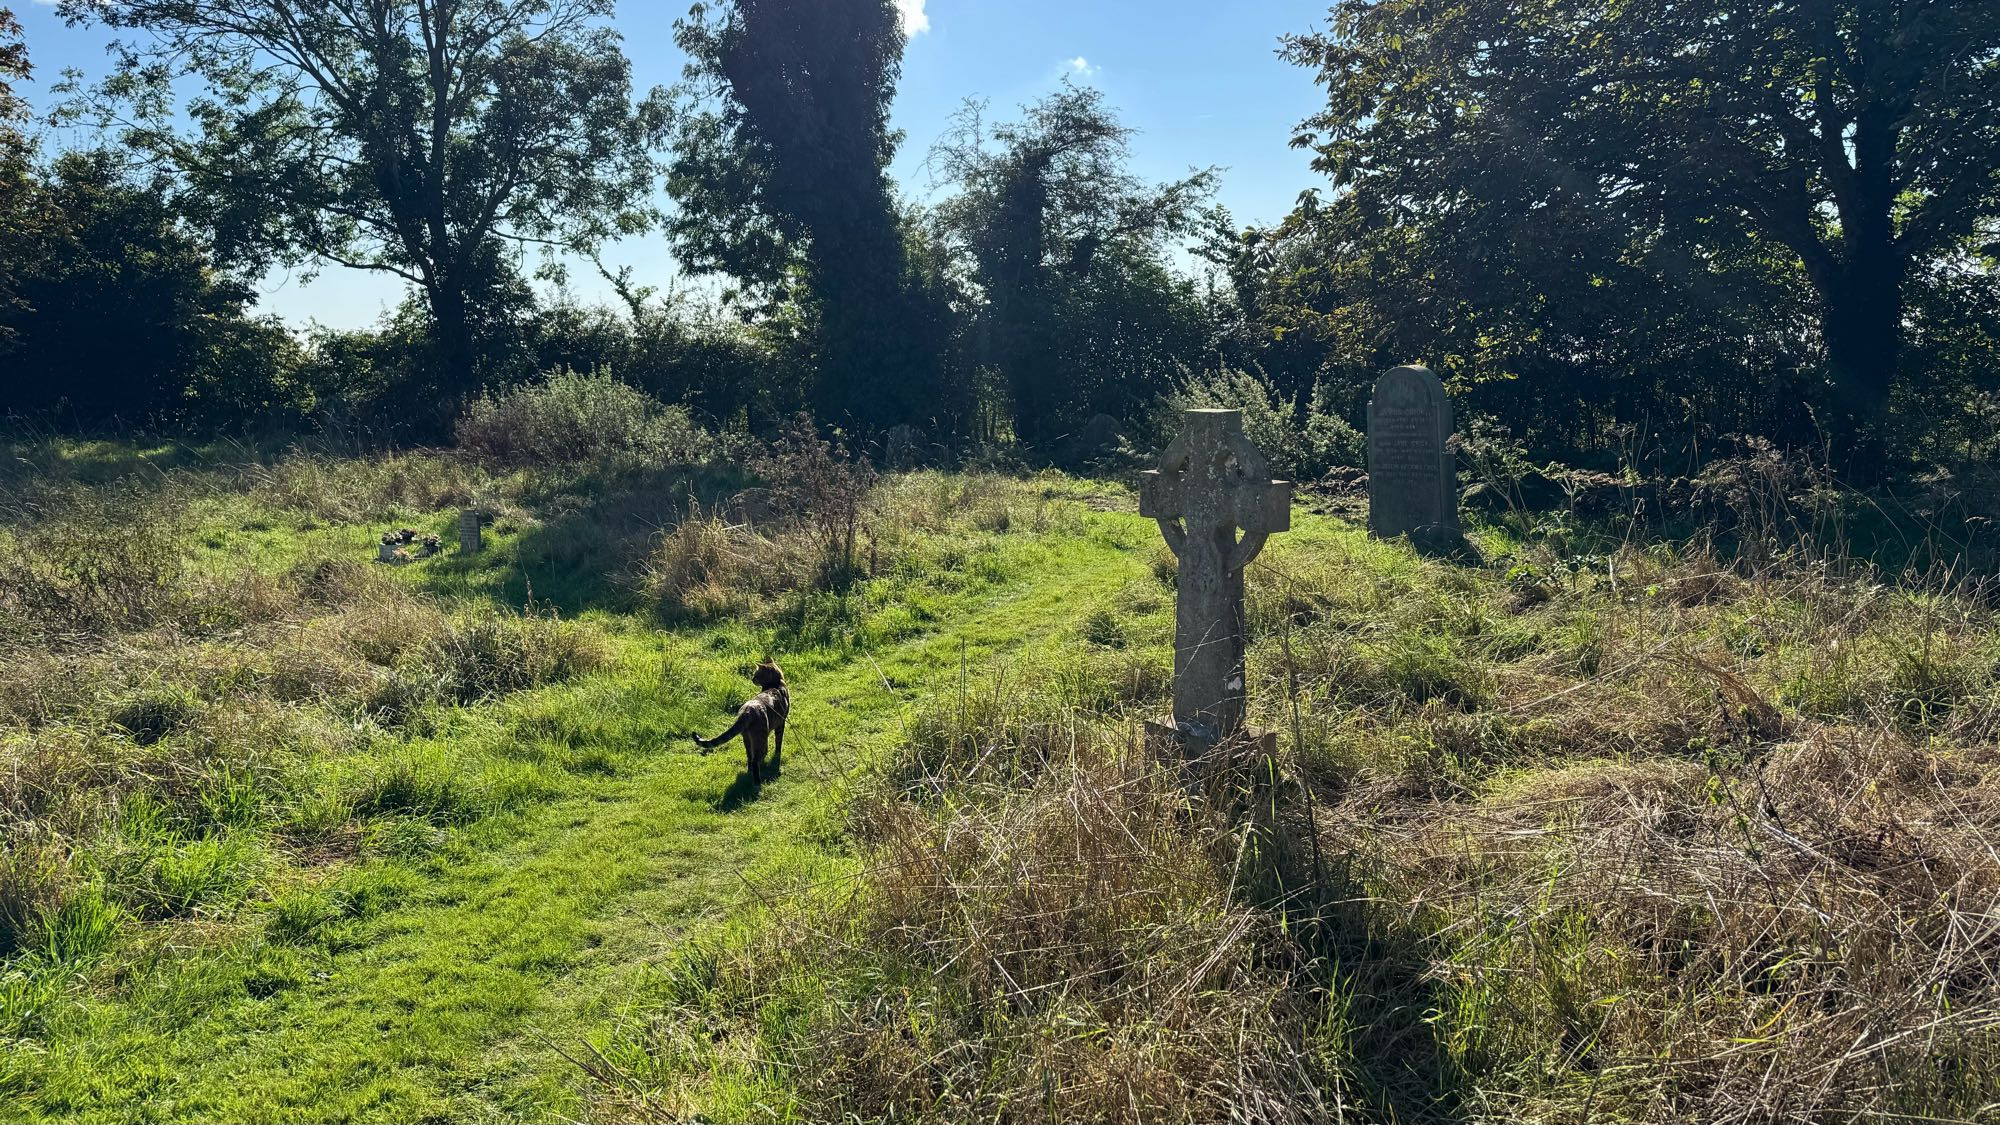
915,20
1081,65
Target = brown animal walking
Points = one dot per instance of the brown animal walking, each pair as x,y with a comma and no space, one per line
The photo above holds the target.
761,721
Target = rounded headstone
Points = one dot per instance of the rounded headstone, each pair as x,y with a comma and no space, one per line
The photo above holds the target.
1412,482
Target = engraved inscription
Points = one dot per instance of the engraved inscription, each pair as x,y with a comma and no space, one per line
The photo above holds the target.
1411,485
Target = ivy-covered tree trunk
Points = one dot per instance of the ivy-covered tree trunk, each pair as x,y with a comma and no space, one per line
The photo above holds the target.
1862,299
878,361
457,373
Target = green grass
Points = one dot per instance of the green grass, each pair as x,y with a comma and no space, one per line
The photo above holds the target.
292,837
523,865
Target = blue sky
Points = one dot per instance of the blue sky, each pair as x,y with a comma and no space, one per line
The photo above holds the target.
1198,78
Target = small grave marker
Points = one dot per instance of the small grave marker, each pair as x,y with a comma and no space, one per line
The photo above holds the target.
1412,483
469,540
1211,483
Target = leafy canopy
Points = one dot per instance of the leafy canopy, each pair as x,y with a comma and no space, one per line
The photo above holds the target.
428,139
1078,308
1858,141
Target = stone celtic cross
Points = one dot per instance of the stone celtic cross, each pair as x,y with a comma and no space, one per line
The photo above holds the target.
1211,483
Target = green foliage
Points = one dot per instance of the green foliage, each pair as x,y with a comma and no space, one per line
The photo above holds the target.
1079,313
16,218
212,871
1582,200
1304,439
569,417
81,928
423,141
679,350
13,66
34,881
120,311
779,168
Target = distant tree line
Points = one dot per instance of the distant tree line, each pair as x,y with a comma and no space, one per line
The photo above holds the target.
1659,222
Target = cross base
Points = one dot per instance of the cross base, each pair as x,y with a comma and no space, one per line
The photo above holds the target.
1203,751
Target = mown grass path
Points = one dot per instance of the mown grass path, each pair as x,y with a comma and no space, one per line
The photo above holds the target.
532,929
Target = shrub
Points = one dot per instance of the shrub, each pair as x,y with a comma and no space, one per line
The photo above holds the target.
702,568
814,481
569,417
1304,441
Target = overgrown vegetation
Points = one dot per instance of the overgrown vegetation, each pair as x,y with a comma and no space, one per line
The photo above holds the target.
220,723
568,417
1671,798
1598,830
180,719
1593,823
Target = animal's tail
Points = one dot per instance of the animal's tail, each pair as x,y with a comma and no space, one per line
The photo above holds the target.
720,739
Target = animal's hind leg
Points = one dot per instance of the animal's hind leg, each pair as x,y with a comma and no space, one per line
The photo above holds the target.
753,748
778,747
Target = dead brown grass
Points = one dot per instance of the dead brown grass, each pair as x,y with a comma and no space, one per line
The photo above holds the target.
1737,866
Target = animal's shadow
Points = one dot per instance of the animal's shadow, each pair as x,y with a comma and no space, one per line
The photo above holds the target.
745,789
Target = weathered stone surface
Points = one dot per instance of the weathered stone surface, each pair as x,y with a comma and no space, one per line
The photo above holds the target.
469,540
1212,481
1412,482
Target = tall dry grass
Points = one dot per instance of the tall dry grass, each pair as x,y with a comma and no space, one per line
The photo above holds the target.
1664,837
1656,834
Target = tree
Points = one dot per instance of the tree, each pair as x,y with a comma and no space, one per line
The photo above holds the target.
1859,137
780,171
1080,311
14,154
13,68
1558,322
123,314
427,139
